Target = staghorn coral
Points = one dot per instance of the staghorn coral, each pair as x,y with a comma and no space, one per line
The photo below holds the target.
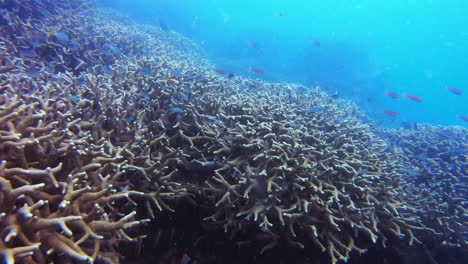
58,185
295,174
436,167
321,179
250,156
68,182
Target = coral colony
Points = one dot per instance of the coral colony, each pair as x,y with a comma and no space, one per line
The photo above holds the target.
106,125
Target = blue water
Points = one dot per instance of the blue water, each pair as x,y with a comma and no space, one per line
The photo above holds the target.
360,49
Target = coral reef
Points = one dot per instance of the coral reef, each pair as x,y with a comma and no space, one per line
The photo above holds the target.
295,174
436,170
105,124
64,188
59,197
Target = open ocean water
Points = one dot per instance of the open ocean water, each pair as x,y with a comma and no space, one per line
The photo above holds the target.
216,131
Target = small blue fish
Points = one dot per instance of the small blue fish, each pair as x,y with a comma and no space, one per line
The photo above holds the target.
409,125
72,46
29,53
175,110
460,150
62,37
176,73
74,98
445,133
44,12
106,69
163,25
146,95
302,89
217,122
129,119
81,14
81,81
114,49
136,38
146,71
293,124
34,43
364,171
200,77
411,173
422,157
340,118
316,109
147,53
32,90
51,66
34,73
187,89
453,166
107,52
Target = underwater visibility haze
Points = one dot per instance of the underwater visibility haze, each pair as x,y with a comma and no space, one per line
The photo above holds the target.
206,132
361,49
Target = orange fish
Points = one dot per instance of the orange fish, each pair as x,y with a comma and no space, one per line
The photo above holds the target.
315,42
454,90
464,118
390,113
413,97
257,70
392,95
253,44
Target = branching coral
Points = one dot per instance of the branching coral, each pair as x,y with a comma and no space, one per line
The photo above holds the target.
58,185
292,172
65,182
98,133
